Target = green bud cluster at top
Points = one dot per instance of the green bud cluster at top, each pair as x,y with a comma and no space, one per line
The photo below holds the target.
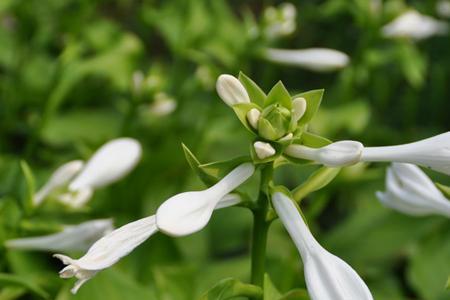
276,124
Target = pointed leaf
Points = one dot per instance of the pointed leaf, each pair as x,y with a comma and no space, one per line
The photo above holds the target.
30,182
194,164
313,140
270,291
254,91
279,95
230,288
313,99
316,181
444,189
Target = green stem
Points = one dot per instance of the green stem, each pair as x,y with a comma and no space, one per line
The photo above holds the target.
260,229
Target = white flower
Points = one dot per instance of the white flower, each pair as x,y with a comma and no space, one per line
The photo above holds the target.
59,178
163,105
298,109
338,154
410,191
443,8
73,237
231,90
263,150
112,247
280,21
111,162
189,212
433,153
412,24
327,276
314,59
253,117
107,251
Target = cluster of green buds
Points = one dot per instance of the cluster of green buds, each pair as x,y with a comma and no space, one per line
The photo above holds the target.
277,119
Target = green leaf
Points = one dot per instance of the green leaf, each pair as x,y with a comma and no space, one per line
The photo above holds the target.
22,281
313,140
444,189
31,183
316,181
241,110
297,294
254,91
270,291
211,173
279,95
313,99
230,288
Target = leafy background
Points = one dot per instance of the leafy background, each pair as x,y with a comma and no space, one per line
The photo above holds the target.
66,69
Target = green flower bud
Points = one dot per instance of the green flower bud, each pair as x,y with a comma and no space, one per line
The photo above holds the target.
274,122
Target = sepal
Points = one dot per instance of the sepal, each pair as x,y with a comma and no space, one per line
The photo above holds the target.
279,95
241,111
254,91
313,99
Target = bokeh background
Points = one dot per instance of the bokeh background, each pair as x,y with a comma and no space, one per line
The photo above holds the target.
77,73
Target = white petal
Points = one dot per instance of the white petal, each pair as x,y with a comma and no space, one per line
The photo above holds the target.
189,212
108,250
414,25
253,117
327,276
338,154
410,191
71,238
231,90
59,178
298,109
264,150
433,153
110,163
228,200
315,59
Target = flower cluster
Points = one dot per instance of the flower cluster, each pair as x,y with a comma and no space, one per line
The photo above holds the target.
278,122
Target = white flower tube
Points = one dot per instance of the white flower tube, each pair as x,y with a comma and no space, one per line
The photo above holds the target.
433,153
112,247
338,154
59,178
410,191
412,24
189,212
231,90
314,59
327,276
73,237
110,163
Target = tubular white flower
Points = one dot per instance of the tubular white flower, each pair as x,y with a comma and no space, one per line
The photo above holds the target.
414,25
107,251
253,117
327,276
298,109
73,237
112,247
189,212
410,191
338,154
433,153
59,178
263,150
231,90
314,59
110,163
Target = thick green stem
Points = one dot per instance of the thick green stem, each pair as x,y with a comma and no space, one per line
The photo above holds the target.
259,240
260,229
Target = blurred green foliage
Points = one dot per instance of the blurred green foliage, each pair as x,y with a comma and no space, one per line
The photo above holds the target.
66,87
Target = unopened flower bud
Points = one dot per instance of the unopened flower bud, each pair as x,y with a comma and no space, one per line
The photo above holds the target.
231,90
263,150
253,117
274,122
298,109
